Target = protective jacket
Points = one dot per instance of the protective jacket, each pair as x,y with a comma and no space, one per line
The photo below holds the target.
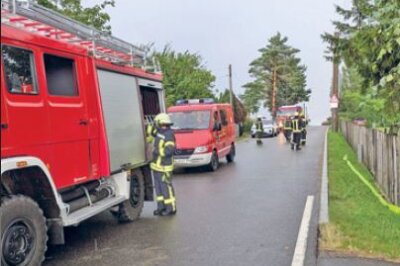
259,126
151,132
163,151
287,125
297,125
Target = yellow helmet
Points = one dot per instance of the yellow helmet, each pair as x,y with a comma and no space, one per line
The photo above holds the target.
163,119
296,113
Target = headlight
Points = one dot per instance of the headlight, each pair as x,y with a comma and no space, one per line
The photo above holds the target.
201,149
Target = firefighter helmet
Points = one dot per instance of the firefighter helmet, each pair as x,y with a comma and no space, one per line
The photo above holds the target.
163,119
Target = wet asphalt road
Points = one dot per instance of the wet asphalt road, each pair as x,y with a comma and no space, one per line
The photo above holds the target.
246,213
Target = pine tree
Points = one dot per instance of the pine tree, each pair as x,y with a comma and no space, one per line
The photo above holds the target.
279,78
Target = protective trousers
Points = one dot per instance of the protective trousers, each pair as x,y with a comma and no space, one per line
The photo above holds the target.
303,136
164,191
296,139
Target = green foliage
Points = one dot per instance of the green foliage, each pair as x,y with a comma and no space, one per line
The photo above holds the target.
248,123
93,16
277,66
239,110
184,76
368,41
357,102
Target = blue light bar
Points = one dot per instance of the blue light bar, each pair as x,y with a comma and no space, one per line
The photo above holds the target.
207,100
181,102
195,101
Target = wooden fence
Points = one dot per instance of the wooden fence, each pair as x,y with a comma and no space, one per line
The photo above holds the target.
380,153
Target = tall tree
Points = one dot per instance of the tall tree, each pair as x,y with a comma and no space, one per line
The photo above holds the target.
368,40
279,78
95,16
184,75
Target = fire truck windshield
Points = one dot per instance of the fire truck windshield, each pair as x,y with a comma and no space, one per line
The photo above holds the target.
287,112
190,120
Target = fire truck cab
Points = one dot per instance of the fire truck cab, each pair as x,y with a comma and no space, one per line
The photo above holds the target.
73,116
286,113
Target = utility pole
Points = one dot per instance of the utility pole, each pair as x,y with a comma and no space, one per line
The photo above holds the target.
230,85
335,95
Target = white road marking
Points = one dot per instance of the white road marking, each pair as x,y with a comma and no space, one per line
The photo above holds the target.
301,244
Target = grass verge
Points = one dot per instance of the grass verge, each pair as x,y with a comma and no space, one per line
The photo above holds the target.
359,223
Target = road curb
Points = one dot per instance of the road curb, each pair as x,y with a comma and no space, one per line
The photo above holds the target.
323,211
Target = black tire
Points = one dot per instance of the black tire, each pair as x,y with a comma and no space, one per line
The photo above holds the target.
131,209
213,166
23,232
231,156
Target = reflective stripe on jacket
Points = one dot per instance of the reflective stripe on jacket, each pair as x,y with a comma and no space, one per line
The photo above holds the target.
259,126
163,152
297,125
151,132
288,125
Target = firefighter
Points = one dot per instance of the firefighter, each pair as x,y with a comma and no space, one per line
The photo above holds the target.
259,130
163,165
297,125
287,129
303,130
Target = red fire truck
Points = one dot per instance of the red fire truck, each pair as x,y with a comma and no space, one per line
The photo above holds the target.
73,114
286,112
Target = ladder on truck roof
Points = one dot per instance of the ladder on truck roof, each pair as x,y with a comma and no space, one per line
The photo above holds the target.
43,21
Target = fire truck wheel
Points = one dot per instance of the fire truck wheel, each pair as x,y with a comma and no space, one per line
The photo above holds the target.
231,156
131,209
213,166
23,231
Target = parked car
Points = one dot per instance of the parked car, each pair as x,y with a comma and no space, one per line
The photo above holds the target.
269,126
204,131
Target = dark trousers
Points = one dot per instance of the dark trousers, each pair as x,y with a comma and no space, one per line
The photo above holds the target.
287,134
303,136
165,195
296,139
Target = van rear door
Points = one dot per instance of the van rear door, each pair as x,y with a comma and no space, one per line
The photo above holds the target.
123,117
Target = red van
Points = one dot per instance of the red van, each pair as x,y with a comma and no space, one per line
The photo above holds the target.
204,131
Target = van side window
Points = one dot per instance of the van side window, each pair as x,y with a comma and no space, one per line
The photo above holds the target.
60,75
19,67
216,118
224,119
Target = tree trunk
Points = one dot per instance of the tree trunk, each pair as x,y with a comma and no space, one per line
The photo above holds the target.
274,88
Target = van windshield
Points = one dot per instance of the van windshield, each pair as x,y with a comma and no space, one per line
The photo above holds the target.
190,120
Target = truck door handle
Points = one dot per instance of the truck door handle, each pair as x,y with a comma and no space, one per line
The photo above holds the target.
4,126
83,122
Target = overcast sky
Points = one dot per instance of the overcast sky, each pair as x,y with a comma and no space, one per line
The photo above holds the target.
231,32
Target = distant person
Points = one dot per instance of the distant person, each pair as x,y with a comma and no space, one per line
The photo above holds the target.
303,129
287,129
297,125
162,166
259,130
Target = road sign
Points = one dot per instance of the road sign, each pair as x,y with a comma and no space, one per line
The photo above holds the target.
334,101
